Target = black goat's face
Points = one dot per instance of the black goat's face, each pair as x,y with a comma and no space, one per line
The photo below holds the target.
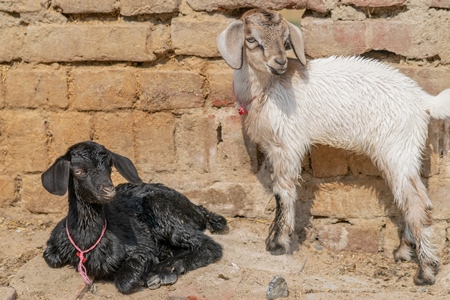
87,166
91,174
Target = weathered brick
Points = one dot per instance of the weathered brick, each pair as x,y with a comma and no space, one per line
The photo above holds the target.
165,90
21,6
373,3
231,198
24,147
220,86
7,20
8,188
104,88
392,35
362,165
187,41
66,129
93,42
321,5
363,198
438,193
358,236
431,79
347,13
323,37
12,42
38,200
432,158
440,3
328,161
139,7
155,142
82,6
115,132
197,136
34,88
200,5
2,91
161,40
234,149
392,232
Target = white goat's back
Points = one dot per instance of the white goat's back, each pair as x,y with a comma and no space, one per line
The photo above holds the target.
346,102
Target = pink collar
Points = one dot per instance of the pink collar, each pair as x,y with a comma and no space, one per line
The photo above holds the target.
80,253
242,108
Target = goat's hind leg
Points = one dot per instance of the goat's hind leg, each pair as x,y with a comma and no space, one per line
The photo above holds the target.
192,250
415,205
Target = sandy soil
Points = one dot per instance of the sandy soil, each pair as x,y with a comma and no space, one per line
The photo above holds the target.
244,272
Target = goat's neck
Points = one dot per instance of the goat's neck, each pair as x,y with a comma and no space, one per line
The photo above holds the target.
85,220
249,83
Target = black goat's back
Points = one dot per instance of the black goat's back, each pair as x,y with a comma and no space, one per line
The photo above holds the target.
164,208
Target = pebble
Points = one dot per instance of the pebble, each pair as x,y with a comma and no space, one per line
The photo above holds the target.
277,288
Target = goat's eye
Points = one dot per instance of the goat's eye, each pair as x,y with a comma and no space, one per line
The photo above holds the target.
251,40
78,172
287,45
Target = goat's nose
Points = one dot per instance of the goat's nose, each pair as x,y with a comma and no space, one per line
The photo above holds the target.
281,62
110,191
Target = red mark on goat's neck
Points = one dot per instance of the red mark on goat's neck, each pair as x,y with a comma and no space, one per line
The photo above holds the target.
80,253
242,107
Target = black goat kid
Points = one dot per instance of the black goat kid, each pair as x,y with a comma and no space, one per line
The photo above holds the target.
136,234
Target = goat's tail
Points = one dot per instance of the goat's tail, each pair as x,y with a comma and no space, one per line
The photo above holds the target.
439,106
214,222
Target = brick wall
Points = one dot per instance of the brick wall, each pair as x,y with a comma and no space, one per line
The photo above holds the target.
145,79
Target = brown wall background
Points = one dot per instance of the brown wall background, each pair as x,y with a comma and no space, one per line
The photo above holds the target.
145,79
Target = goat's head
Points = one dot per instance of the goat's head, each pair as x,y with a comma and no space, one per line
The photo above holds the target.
263,37
88,166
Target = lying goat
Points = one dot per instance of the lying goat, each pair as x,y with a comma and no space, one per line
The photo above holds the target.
347,102
136,234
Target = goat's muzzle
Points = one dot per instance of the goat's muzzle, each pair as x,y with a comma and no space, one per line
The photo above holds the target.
108,192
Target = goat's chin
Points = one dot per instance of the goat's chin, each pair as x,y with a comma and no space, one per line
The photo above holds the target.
275,71
103,199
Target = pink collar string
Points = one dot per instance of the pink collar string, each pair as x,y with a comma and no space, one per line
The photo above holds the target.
242,108
80,253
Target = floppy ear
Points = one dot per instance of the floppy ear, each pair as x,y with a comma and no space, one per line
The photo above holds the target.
56,179
297,43
231,42
126,168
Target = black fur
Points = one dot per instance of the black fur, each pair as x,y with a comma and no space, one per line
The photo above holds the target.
153,233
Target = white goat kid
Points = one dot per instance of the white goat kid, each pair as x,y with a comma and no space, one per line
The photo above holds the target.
346,102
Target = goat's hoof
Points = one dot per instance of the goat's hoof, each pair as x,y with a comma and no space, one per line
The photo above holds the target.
155,281
425,276
275,248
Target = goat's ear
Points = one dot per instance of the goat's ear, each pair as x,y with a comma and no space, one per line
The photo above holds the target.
56,179
231,43
126,168
297,43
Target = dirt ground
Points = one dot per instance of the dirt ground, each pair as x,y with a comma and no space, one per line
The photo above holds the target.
244,272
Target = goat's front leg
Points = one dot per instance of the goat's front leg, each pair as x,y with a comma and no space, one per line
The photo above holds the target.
286,168
52,257
56,253
130,276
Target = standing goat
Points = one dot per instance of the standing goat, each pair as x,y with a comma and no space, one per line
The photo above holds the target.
347,102
136,234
